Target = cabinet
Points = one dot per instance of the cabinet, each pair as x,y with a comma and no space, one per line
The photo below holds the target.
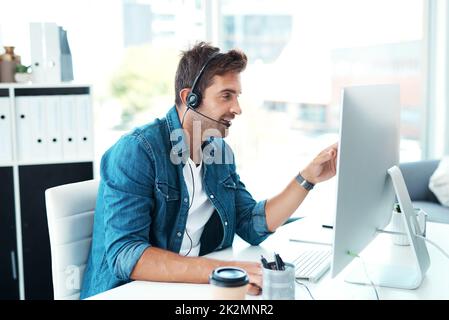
46,139
9,282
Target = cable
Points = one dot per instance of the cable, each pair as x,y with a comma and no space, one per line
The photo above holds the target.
366,272
396,233
191,244
419,236
183,117
193,191
190,206
304,285
434,244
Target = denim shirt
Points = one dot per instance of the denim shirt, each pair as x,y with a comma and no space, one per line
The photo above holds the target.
143,201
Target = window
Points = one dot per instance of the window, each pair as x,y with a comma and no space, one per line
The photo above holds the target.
301,55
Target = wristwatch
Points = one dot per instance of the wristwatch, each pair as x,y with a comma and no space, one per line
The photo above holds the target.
304,183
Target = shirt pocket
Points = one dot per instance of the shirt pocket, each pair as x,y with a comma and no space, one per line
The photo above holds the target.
168,192
229,184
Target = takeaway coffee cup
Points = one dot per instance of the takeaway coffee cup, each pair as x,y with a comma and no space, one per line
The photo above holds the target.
228,283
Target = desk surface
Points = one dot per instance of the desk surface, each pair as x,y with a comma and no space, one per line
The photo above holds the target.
434,286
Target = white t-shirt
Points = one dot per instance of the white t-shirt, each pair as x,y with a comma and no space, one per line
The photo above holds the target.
200,211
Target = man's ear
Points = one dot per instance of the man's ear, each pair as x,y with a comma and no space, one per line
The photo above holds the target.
183,95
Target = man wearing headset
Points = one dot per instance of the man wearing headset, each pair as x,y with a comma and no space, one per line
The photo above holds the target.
170,193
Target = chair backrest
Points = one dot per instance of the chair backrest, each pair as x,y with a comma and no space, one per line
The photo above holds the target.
70,213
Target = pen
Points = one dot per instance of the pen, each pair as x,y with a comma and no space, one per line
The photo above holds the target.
327,226
276,261
312,241
281,262
264,262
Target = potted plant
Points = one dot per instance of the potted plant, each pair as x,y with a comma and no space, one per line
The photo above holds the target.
23,74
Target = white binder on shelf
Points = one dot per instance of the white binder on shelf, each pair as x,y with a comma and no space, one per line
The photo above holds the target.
85,127
69,120
5,132
31,137
45,52
53,127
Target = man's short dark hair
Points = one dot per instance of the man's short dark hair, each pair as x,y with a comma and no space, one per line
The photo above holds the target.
193,59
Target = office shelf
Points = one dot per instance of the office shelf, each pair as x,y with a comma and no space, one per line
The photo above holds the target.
46,139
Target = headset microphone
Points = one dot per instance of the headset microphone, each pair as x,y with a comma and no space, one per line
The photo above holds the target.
227,125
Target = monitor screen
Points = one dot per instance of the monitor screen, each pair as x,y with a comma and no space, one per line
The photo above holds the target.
368,147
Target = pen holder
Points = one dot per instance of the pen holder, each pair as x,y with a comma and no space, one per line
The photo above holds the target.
279,284
398,226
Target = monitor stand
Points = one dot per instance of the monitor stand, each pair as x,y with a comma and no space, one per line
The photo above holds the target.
403,277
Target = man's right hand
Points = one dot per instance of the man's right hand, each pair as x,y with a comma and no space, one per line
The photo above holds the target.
254,271
157,264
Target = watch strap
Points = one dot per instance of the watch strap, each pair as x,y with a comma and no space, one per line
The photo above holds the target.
304,183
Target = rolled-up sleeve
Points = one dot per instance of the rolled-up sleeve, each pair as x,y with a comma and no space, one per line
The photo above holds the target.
251,217
127,171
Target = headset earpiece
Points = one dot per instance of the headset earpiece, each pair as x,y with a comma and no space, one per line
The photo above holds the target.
193,100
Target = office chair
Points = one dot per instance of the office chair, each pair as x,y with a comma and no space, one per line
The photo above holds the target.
70,215
416,176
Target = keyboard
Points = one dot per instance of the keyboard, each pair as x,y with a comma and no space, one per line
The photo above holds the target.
312,264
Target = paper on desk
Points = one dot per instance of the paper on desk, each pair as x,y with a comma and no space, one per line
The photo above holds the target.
311,232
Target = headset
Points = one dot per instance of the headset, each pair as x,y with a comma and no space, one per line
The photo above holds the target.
194,98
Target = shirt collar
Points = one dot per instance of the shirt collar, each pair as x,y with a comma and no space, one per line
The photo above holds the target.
177,136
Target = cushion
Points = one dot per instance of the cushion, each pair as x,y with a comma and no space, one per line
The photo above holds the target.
439,182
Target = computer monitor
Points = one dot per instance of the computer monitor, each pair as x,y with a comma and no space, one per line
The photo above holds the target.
368,149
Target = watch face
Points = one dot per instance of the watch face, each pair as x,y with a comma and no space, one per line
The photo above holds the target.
307,185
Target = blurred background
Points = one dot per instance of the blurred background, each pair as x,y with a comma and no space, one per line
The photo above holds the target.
301,54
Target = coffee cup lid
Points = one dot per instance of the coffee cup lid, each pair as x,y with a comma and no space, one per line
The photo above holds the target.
229,277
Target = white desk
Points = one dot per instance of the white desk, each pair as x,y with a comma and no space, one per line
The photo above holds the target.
434,286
